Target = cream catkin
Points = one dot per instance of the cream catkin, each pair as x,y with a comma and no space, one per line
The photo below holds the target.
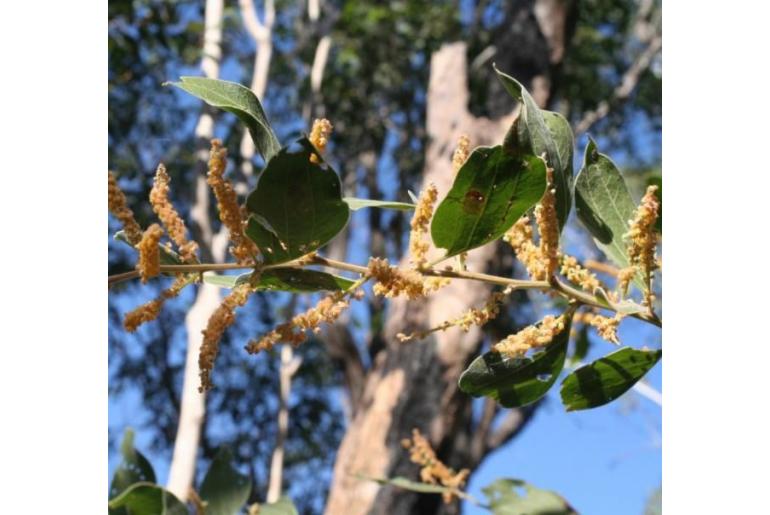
168,215
243,248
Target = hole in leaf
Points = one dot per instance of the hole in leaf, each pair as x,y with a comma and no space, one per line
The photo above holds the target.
544,377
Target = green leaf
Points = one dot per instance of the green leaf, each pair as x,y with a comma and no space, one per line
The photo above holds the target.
240,101
148,499
283,506
293,280
224,489
515,382
492,190
541,131
414,486
604,206
607,378
505,498
133,468
297,206
359,203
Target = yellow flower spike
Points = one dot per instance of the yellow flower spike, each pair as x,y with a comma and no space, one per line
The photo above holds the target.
642,239
432,470
531,337
118,206
319,136
222,318
149,253
423,212
172,222
243,249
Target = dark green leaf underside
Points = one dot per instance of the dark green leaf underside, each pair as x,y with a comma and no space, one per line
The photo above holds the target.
607,378
492,190
297,206
359,203
285,279
515,382
240,101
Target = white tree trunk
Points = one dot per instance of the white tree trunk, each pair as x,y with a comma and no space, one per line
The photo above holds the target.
193,404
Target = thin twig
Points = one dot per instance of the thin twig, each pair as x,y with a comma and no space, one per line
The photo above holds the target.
598,266
559,287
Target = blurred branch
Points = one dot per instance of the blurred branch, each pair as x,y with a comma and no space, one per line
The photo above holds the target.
193,404
481,433
627,85
289,366
262,33
514,421
601,267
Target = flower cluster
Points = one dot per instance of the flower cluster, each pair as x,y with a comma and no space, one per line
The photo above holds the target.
423,212
642,240
168,215
548,227
571,269
461,153
625,276
116,201
149,253
433,471
472,317
606,327
222,318
328,310
541,260
519,236
319,136
531,337
244,249
392,281
150,311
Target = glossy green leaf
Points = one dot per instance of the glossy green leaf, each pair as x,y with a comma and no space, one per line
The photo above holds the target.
515,382
240,101
133,468
297,206
603,205
285,279
359,203
224,489
541,131
607,378
283,506
148,499
492,190
517,497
